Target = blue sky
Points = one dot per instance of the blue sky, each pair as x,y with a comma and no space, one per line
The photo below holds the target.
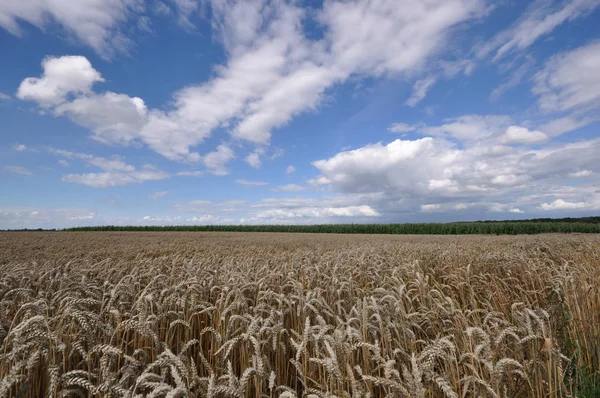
254,112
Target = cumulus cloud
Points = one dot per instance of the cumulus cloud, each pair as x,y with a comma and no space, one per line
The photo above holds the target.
253,160
20,147
217,161
65,88
18,170
559,204
113,118
431,207
290,169
522,135
402,164
96,23
405,174
489,130
273,70
61,77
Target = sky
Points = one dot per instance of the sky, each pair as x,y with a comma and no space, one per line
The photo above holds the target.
160,112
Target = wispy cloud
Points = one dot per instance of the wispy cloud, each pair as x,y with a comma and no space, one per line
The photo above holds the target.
157,195
247,183
18,170
289,188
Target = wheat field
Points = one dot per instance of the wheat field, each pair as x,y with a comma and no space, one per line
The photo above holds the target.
289,315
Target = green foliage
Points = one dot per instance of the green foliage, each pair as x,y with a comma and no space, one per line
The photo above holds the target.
457,228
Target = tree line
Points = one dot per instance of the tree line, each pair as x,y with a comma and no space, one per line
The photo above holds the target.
454,228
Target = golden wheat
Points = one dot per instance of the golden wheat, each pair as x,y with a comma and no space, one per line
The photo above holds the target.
283,315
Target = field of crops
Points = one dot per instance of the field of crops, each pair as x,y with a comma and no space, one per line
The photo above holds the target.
536,226
174,314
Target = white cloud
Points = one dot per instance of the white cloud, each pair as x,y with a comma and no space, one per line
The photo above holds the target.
115,171
166,219
570,80
185,10
277,153
4,97
515,210
402,164
114,118
560,204
161,8
391,36
62,76
541,18
290,169
516,77
289,188
190,173
96,23
20,147
521,135
209,219
203,206
404,174
32,217
18,170
462,206
285,210
253,160
272,73
202,219
63,163
401,128
493,131
279,215
116,163
420,89
247,183
582,173
569,123
158,194
216,161
431,207
471,128
114,178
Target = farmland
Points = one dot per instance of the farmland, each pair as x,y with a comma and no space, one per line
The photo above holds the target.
509,227
225,314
